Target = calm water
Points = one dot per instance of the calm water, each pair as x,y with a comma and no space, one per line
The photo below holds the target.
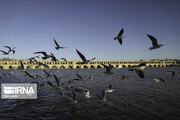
134,98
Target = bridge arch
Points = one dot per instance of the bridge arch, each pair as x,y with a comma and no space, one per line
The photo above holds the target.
92,66
85,66
155,66
37,67
29,67
70,67
1,67
10,67
99,66
78,66
123,66
62,67
54,67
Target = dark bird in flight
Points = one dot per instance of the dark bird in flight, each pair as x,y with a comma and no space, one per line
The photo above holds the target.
10,50
57,45
53,57
108,68
4,52
21,65
139,69
41,64
47,73
80,77
46,56
32,59
58,86
172,73
33,77
85,61
119,37
155,44
159,79
103,95
64,60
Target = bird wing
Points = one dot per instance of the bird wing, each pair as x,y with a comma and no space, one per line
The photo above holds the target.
8,47
74,95
81,55
120,41
153,39
42,52
57,80
107,67
28,74
79,76
140,73
22,66
64,59
50,84
2,51
121,32
56,43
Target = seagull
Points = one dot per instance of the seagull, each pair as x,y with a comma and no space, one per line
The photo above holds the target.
53,57
103,95
86,91
47,73
139,69
159,79
154,42
108,68
119,37
109,89
74,98
64,60
4,52
34,77
41,64
10,49
80,77
46,56
21,66
57,45
33,58
58,86
172,73
83,58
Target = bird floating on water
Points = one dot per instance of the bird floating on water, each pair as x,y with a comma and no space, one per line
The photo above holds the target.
109,89
85,61
58,46
119,37
155,44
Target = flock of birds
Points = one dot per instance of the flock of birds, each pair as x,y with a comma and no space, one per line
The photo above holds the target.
62,89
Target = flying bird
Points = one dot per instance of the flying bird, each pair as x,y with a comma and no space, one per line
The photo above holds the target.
159,79
58,86
139,69
4,52
172,73
64,60
85,61
53,57
33,77
155,44
46,56
119,37
10,50
108,68
103,95
79,77
85,90
57,45
47,73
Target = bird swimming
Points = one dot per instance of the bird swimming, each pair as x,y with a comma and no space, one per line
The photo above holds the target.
155,44
119,36
85,61
57,45
10,50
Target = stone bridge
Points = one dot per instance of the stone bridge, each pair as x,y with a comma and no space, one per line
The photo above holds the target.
73,64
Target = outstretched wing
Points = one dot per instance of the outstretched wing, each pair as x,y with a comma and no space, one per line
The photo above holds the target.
41,52
8,47
153,39
81,55
140,73
121,32
56,43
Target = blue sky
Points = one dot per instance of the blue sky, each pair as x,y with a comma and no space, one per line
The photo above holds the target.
90,26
